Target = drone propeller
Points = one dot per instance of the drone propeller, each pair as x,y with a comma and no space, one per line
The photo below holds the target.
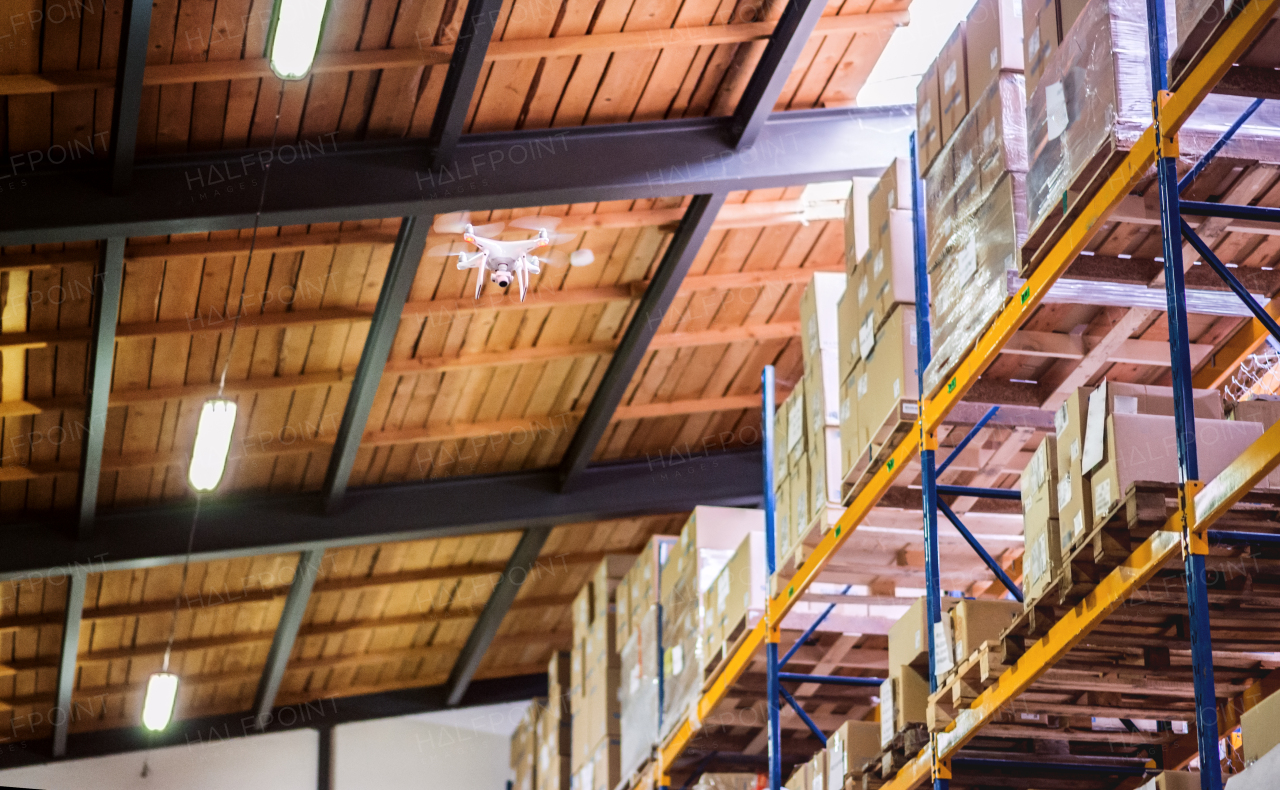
536,222
457,221
583,257
444,251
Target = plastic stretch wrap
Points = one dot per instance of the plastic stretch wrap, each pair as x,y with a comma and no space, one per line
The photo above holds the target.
1096,92
732,782
991,141
968,285
639,693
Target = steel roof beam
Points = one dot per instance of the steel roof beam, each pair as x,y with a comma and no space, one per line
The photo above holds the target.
323,183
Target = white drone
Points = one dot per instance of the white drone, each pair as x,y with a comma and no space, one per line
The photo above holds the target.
508,260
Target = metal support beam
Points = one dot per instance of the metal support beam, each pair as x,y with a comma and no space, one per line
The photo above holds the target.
495,610
808,632
780,55
772,688
77,582
405,257
106,309
1232,538
135,27
978,548
986,493
325,780
232,526
295,606
1217,147
375,180
835,680
795,706
1259,312
474,34
968,437
648,316
1230,211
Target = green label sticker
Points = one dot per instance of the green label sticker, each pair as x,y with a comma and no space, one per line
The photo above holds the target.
1026,294
889,465
951,386
1064,201
791,591
838,528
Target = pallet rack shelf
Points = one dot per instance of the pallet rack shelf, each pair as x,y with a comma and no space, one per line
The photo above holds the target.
1200,504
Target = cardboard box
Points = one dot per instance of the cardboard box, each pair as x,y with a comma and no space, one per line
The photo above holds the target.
799,779
1068,12
817,771
1000,115
1259,410
1039,39
1260,728
795,424
782,516
605,581
524,748
1174,780
904,699
993,42
953,90
850,446
735,601
1075,507
1140,447
848,322
825,474
818,314
602,771
801,508
848,749
1040,518
555,767
976,621
558,689
641,584
707,542
928,118
890,279
887,388
908,643
1112,397
780,436
856,225
822,391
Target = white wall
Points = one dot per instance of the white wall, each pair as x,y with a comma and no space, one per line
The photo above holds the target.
465,749
281,761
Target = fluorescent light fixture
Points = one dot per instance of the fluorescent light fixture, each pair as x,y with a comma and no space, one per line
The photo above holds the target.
213,441
296,26
157,707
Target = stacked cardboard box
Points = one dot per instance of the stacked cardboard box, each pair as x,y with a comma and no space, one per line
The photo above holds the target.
975,192
819,319
857,228
849,749
707,541
597,667
1262,410
524,748
1040,512
637,603
732,782
972,622
1260,728
555,735
876,328
904,695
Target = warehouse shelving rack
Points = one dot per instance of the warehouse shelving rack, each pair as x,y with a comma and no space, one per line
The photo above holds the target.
1200,503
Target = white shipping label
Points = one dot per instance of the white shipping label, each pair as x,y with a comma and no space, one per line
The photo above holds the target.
1060,419
795,425
1038,557
853,349
863,290
944,662
1077,525
913,335
893,199
812,329
910,407
897,388
1095,429
926,113
1102,497
677,660
995,57
1064,491
949,77
862,385
989,134
722,591
844,408
967,260
877,263
867,335
1056,119
887,716
1075,449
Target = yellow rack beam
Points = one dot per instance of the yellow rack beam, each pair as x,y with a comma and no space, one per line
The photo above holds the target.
1254,464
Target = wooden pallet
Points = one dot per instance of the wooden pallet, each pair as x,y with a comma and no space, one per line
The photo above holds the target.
963,685
905,746
900,423
716,663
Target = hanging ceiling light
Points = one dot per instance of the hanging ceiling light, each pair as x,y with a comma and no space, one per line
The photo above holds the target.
157,707
296,26
213,443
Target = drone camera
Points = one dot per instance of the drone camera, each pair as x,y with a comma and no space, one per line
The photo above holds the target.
501,279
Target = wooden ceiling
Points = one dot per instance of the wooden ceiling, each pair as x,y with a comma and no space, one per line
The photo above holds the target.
471,385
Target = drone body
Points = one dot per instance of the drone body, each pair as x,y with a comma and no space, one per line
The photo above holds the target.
504,260
508,261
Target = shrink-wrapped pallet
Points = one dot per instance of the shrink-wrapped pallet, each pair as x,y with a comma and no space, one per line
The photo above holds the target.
641,674
969,284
